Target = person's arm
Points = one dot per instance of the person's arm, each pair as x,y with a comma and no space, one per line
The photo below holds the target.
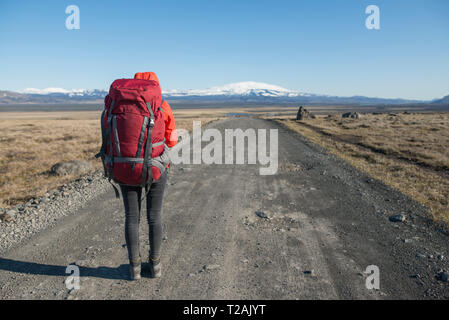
171,136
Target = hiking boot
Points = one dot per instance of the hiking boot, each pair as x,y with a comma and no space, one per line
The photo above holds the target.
135,270
155,268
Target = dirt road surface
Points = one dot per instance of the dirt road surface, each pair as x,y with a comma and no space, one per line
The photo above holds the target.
326,223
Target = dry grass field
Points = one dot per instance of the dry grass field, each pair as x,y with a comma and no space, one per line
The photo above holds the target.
409,152
32,142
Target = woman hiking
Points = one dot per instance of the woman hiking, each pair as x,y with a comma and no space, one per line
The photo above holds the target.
132,197
138,129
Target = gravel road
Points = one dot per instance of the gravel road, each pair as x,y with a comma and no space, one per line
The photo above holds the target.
308,232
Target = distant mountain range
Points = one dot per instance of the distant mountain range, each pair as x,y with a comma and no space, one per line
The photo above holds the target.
241,92
444,100
52,96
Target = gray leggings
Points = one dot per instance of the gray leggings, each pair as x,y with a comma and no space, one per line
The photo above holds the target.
131,200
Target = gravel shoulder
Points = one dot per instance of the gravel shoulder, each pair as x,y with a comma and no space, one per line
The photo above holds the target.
23,221
323,223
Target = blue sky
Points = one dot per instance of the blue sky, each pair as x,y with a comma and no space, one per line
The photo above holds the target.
310,46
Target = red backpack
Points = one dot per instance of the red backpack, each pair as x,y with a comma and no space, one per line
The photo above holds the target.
133,130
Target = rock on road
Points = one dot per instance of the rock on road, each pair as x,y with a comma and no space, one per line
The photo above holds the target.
307,232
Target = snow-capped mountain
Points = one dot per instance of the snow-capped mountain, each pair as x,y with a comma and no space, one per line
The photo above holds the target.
262,93
51,90
61,91
238,93
249,88
52,96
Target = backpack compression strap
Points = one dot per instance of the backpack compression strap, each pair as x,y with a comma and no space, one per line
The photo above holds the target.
102,152
147,157
141,136
110,174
